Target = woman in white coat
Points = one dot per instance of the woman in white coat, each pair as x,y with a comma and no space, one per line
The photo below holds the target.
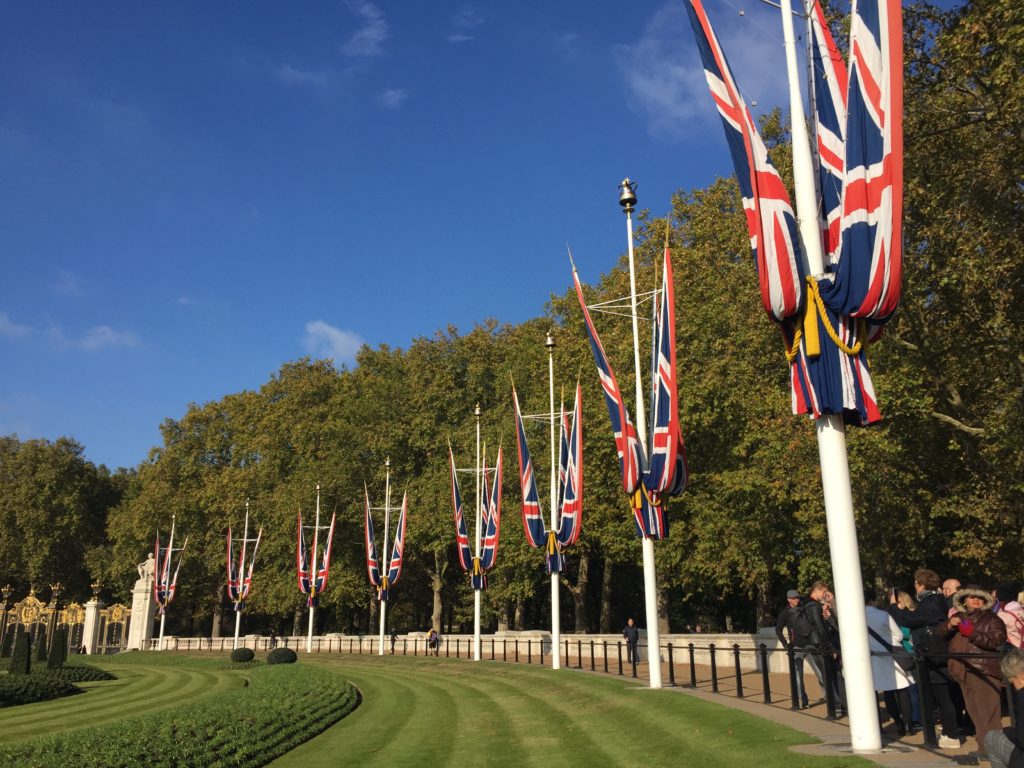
884,640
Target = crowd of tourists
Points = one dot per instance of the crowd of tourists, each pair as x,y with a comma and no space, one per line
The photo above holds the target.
969,641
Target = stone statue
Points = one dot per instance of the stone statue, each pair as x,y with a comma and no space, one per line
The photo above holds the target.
147,570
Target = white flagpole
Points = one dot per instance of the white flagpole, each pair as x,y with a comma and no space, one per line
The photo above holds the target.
647,544
556,608
241,574
167,583
385,560
313,572
861,702
476,544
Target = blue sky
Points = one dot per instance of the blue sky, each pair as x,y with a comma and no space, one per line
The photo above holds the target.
194,193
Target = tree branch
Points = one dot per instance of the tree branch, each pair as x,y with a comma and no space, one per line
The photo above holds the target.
957,424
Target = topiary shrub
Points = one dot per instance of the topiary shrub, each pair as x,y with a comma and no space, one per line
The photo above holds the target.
242,655
282,656
41,647
81,673
55,658
21,656
27,689
8,644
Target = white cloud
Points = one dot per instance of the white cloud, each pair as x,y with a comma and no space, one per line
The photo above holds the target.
184,301
392,98
464,21
11,329
95,338
368,40
290,75
665,78
325,341
67,284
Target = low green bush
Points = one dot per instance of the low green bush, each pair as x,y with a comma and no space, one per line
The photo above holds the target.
25,689
282,656
80,673
242,655
244,728
8,644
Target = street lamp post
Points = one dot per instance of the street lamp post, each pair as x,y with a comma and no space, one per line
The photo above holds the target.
627,199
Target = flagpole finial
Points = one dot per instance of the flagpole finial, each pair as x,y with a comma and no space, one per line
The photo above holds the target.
627,197
549,342
571,262
387,461
476,411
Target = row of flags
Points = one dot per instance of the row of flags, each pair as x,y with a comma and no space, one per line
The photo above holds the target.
826,320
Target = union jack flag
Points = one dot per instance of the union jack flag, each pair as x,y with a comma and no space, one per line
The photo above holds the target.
533,521
492,517
770,220
302,560
309,584
461,537
372,563
165,584
240,578
570,521
627,445
398,551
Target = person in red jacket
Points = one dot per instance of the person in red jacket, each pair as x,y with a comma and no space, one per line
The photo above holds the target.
973,629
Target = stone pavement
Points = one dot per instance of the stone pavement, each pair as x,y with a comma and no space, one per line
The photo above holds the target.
906,752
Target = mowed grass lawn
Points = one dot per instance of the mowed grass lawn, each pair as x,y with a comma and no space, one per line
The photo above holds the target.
450,712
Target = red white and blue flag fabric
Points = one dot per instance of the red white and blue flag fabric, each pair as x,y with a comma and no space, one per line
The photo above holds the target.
313,583
492,518
398,551
461,537
570,496
649,485
533,521
239,577
859,141
372,562
165,583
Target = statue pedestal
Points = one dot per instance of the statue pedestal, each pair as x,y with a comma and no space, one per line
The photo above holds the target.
140,628
91,627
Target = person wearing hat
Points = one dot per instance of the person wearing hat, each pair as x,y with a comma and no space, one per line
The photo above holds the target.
786,630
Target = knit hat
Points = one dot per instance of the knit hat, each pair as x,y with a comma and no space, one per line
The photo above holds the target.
792,594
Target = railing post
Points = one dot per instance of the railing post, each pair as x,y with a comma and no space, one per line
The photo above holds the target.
693,667
794,690
447,647
739,673
504,649
566,654
714,668
618,648
517,650
492,649
458,645
671,667
830,699
591,655
765,680
579,654
604,645
541,644
529,650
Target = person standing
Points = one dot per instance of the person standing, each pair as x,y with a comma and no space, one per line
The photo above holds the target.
885,641
1005,748
786,630
924,623
632,635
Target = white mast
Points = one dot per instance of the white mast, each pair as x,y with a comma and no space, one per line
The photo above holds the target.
627,199
835,470
385,560
313,572
476,544
241,573
556,610
167,581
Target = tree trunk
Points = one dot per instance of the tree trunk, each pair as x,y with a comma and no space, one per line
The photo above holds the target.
518,621
373,619
663,610
436,583
297,621
579,594
218,616
606,597
764,608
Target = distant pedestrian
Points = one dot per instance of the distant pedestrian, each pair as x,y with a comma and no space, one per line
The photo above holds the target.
632,635
790,620
394,639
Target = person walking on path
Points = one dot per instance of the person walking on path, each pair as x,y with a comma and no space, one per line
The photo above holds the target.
632,635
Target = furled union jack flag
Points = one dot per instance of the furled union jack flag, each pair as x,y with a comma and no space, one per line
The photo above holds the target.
570,492
398,551
165,583
461,537
859,146
372,563
533,521
239,577
492,517
313,584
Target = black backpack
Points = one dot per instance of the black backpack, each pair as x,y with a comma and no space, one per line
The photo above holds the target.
930,644
805,634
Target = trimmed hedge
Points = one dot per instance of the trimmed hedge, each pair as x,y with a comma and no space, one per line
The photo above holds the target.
25,689
21,658
41,650
242,655
8,644
246,727
58,649
80,673
282,656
